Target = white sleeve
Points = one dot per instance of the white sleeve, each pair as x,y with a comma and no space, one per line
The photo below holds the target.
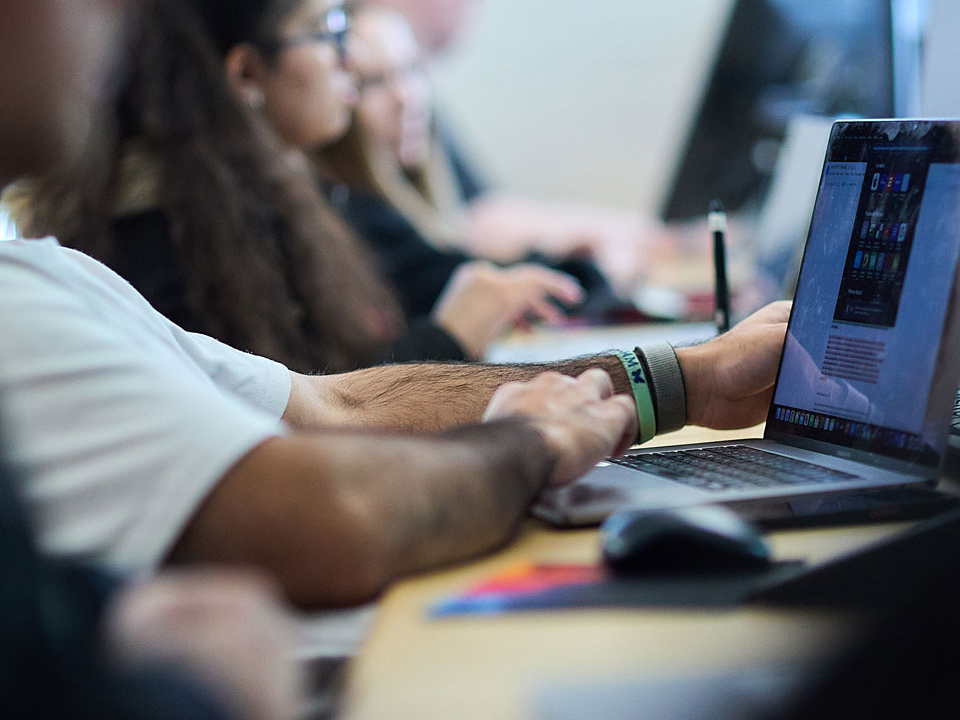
262,383
119,438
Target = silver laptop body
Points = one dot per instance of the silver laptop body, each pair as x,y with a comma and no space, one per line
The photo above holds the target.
865,389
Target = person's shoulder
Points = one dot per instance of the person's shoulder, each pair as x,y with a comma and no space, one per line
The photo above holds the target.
18,248
79,261
44,253
40,296
44,266
25,260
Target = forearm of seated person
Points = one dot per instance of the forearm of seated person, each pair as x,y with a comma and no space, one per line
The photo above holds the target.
418,397
335,517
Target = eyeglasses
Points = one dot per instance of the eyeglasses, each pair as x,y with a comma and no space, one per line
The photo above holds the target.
337,29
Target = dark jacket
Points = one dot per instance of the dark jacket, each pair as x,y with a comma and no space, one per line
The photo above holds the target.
144,255
419,271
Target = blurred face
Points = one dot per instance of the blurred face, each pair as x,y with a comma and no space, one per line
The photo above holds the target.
308,93
56,57
395,97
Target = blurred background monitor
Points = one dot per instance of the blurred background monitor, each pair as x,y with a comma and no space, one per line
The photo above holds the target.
940,90
777,59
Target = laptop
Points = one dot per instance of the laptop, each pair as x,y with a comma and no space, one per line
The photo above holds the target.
865,389
953,441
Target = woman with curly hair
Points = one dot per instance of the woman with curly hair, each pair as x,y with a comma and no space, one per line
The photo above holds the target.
198,194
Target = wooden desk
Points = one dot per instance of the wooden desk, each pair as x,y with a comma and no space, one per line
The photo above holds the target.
492,667
548,344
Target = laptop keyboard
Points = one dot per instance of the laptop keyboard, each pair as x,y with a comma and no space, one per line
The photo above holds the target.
731,467
955,423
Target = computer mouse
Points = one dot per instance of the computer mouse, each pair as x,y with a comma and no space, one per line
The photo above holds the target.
686,540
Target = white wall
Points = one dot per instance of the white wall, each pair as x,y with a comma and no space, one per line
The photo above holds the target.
581,99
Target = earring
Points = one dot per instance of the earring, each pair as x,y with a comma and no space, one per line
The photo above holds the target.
255,99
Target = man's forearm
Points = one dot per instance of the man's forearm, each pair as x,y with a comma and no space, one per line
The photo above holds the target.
420,398
339,515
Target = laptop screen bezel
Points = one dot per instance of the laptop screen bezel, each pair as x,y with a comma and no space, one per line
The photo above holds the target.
915,465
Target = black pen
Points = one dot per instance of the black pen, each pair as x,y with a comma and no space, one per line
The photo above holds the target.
717,222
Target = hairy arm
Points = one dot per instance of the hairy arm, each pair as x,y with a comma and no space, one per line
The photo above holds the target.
419,397
336,516
728,381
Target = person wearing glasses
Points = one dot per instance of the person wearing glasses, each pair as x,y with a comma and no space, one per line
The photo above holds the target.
201,199
401,193
100,394
446,198
146,446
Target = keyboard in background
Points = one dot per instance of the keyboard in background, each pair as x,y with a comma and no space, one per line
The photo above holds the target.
731,467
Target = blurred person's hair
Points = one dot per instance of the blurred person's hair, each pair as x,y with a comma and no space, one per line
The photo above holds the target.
428,196
269,266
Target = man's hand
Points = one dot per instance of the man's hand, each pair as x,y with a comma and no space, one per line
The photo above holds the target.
729,380
224,626
580,419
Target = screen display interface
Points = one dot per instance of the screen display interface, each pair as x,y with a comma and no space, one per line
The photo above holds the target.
866,362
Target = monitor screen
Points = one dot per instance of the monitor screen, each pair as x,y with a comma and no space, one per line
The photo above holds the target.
870,360
777,59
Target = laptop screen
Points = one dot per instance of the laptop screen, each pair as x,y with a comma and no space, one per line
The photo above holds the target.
869,362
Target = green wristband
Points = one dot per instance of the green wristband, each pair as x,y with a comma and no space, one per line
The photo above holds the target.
641,394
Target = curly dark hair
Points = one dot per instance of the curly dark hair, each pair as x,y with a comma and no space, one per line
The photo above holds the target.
269,266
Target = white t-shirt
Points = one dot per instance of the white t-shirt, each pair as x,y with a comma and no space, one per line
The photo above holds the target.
121,421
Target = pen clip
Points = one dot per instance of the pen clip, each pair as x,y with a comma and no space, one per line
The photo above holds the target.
717,217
